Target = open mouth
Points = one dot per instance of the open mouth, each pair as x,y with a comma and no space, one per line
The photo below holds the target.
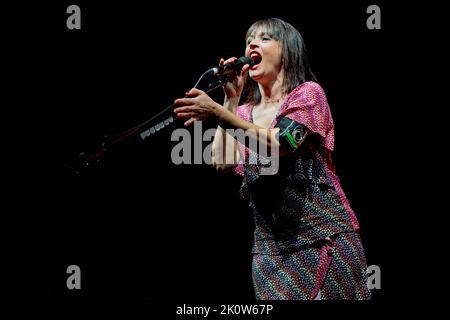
257,60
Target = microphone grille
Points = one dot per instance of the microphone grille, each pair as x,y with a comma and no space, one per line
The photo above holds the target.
245,60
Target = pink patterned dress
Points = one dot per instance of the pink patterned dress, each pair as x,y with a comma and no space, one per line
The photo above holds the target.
307,242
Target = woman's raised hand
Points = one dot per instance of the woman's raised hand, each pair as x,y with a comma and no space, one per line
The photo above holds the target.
234,89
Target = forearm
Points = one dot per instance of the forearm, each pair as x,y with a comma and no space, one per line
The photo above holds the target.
258,135
224,147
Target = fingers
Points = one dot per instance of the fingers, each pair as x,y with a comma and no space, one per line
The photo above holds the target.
185,112
184,102
230,60
194,92
185,115
190,121
245,69
183,109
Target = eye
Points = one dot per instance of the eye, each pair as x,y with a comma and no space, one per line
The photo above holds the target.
266,38
249,40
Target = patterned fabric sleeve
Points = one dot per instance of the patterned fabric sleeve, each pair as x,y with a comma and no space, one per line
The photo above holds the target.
308,105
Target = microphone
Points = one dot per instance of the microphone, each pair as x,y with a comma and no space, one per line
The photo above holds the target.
231,70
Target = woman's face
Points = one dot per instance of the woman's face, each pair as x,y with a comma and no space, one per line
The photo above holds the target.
266,51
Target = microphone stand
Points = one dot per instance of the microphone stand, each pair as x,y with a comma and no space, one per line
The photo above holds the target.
145,129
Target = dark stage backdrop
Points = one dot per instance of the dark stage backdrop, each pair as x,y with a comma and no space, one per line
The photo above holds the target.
143,230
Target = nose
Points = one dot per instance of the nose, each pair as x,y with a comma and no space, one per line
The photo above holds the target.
253,44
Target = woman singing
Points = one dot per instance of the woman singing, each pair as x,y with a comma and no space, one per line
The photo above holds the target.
307,242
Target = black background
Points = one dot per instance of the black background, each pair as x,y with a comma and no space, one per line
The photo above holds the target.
143,230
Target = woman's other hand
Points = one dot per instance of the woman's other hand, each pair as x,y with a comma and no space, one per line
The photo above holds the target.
197,105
